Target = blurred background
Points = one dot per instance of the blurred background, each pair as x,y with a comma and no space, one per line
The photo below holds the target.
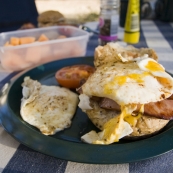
73,10
13,14
81,11
103,16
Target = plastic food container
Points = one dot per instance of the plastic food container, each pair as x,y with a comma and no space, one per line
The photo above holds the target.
15,58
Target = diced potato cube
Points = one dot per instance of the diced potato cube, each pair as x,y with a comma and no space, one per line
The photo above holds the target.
26,40
14,41
43,38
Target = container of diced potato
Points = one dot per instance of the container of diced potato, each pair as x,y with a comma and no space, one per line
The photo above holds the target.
23,49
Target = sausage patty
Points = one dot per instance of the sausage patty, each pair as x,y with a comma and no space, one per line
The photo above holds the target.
162,109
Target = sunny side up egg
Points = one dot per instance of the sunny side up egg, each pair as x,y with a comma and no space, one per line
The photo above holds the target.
49,108
130,83
136,82
155,69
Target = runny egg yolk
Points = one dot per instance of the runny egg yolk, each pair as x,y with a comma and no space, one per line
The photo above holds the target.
132,120
121,80
138,77
113,128
154,66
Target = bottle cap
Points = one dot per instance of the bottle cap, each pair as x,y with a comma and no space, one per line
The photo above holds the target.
131,37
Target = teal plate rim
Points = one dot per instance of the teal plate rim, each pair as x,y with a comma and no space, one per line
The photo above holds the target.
66,145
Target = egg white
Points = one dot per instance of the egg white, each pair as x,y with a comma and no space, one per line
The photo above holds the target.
127,83
49,108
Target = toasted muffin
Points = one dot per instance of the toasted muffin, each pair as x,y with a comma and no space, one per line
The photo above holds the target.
128,96
145,126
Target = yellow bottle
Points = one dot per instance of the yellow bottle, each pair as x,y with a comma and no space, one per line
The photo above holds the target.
132,26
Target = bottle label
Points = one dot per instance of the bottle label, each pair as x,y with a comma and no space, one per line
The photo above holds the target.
134,25
132,19
101,22
109,28
108,38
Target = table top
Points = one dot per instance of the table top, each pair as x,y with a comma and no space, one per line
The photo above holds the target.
15,157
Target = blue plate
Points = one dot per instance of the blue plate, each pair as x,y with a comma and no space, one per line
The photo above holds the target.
67,144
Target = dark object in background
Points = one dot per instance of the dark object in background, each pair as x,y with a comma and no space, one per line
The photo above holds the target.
51,18
123,11
164,10
27,26
15,13
145,10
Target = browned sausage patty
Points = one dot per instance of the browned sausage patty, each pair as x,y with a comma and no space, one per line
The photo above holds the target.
162,109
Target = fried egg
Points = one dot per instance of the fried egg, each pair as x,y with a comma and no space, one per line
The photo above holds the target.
49,108
156,69
129,83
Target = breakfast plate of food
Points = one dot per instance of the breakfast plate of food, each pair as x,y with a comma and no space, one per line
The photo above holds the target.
115,107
